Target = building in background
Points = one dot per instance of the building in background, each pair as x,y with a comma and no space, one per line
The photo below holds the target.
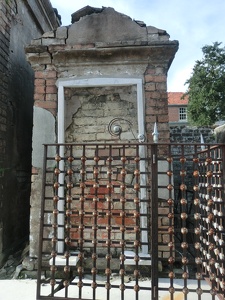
177,107
180,130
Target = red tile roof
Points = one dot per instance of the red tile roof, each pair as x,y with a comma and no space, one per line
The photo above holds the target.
174,98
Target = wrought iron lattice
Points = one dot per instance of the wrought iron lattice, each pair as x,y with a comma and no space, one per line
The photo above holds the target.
128,221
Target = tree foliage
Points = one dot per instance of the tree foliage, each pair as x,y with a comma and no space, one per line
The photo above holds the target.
206,87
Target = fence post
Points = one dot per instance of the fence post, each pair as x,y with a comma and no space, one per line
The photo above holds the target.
41,230
154,223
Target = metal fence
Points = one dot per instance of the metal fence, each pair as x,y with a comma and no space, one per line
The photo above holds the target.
127,221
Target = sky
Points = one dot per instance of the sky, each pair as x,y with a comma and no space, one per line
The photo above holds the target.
194,23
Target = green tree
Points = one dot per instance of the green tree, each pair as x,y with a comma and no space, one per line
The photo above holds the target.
206,87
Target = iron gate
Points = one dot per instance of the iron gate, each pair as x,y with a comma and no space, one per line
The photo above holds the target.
126,221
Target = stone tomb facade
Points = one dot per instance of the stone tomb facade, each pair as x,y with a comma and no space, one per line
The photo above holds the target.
102,67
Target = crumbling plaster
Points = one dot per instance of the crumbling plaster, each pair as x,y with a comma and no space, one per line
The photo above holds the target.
99,37
107,103
98,46
89,29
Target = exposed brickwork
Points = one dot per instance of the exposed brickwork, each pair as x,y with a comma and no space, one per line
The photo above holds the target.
156,101
102,207
106,103
45,93
77,51
163,236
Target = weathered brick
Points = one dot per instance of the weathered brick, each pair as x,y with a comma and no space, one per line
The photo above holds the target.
150,70
155,78
101,191
163,210
163,118
150,86
44,58
40,74
40,97
163,126
75,234
156,109
153,95
165,254
86,137
51,81
105,152
46,104
39,89
34,171
163,248
55,48
161,78
150,119
51,74
39,82
45,74
128,221
160,238
33,58
51,97
161,86
157,103
102,221
149,78
161,70
51,89
35,49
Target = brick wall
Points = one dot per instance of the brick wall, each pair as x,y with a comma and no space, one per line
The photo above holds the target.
191,134
17,27
104,191
6,113
45,91
5,24
173,113
156,101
